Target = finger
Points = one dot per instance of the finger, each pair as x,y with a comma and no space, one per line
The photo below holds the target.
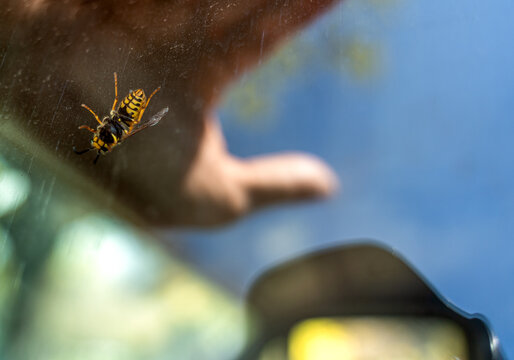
223,188
287,177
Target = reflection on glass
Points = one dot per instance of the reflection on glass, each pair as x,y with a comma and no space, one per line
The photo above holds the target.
6,279
276,349
78,282
377,338
108,295
14,188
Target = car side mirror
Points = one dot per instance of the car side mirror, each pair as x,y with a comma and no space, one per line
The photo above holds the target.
367,292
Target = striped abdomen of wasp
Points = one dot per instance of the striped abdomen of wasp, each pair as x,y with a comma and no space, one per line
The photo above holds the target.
122,122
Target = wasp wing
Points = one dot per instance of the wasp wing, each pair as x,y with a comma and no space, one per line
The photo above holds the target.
154,120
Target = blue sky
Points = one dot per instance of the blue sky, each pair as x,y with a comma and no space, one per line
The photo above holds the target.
423,145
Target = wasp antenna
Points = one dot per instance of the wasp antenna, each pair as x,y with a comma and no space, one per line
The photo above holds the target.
85,127
96,158
81,151
92,112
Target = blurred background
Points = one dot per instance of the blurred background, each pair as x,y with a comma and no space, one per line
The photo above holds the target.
410,102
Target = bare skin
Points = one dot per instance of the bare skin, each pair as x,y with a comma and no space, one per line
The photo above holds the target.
58,54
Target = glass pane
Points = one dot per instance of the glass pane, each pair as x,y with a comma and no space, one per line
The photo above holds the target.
77,281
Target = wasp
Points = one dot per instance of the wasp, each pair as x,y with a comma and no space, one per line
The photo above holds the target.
122,122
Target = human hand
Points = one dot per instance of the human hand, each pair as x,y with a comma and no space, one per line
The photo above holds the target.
61,54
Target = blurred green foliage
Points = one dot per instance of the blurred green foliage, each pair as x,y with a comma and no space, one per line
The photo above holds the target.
343,44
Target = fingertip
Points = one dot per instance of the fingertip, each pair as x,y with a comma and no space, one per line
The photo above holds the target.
320,177
329,183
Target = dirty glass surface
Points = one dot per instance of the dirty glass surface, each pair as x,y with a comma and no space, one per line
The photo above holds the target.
409,102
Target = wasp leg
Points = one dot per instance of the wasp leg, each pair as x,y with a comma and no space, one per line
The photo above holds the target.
115,91
82,151
87,128
92,112
96,158
146,104
135,131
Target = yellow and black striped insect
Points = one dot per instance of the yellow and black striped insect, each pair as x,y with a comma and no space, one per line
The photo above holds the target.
122,122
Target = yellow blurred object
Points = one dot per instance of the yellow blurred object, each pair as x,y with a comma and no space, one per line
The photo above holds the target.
320,339
377,338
